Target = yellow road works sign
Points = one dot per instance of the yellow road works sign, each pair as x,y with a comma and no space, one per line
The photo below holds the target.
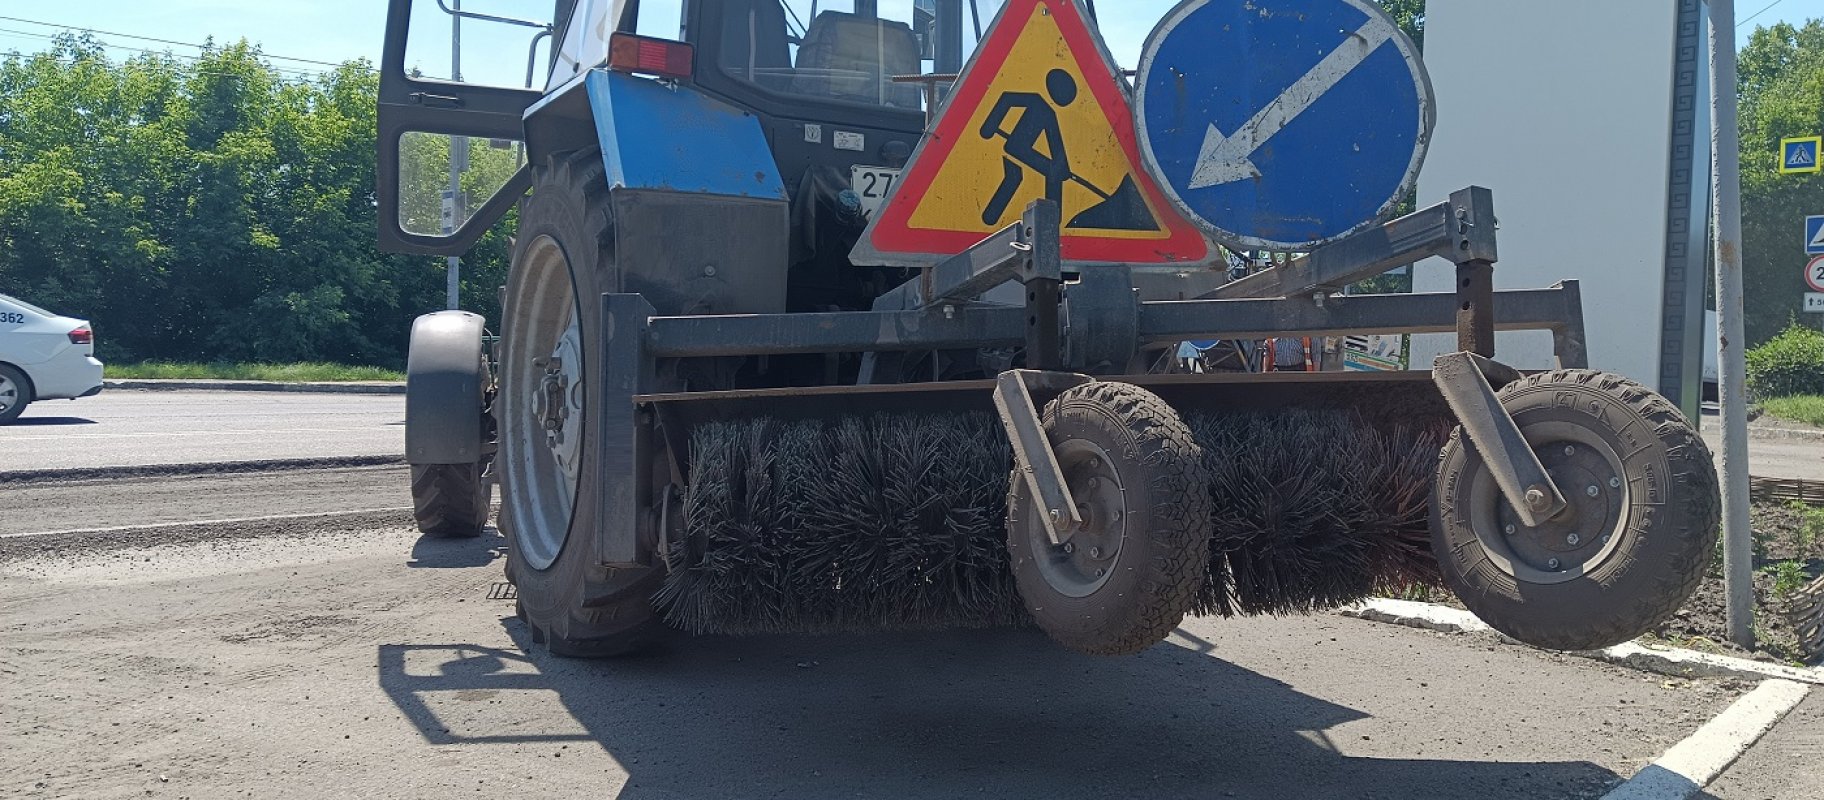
1038,113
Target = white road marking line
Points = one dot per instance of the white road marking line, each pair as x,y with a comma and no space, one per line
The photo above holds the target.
1693,763
189,523
185,433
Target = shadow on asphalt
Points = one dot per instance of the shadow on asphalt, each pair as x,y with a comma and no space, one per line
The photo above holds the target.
27,422
434,552
982,714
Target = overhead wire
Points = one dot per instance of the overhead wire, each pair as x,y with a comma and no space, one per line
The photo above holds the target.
158,40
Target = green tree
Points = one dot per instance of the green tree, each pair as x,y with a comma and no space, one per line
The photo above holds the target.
1782,95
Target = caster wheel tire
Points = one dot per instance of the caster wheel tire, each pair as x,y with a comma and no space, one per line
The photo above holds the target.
1127,577
1628,551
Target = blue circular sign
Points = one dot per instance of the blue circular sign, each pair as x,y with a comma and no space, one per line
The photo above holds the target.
1282,124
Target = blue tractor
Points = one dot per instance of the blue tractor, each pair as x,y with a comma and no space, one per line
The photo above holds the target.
709,409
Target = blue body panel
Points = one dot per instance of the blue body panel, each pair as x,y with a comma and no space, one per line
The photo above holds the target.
675,138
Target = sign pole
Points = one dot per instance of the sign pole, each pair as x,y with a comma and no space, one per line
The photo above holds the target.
453,265
1725,155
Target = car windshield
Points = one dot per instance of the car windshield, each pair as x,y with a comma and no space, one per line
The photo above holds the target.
24,306
842,49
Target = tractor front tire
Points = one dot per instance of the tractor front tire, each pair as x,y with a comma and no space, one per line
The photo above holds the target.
450,500
1639,532
1129,576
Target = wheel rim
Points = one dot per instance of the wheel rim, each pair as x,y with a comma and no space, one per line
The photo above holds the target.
542,400
9,393
1085,563
1589,473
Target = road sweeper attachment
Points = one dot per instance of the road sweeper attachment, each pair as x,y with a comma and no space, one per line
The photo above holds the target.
696,426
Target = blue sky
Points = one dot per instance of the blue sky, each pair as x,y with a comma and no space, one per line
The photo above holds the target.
335,30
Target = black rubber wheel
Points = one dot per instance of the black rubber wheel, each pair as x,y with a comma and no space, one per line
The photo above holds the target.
1639,532
450,500
1124,581
549,354
15,393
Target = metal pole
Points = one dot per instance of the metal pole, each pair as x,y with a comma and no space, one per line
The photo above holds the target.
453,277
1726,168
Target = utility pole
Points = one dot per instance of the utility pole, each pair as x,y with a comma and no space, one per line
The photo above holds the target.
459,157
1726,188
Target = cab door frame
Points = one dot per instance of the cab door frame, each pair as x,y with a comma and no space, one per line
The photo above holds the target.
428,105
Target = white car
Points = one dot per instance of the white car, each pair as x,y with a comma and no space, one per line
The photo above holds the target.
43,356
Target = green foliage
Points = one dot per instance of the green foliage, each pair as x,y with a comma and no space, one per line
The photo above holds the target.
1782,94
1811,528
299,372
1410,14
210,211
1806,408
1791,363
1788,577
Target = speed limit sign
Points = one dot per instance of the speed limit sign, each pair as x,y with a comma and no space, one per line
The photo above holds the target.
1814,274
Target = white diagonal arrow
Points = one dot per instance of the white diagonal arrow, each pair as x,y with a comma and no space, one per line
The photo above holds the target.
1226,159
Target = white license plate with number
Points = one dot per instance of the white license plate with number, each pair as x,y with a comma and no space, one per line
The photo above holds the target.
873,184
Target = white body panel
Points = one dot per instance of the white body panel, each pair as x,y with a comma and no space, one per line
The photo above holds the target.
39,345
1569,124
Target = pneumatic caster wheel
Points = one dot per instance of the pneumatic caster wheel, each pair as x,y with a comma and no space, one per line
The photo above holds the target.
1128,576
1631,546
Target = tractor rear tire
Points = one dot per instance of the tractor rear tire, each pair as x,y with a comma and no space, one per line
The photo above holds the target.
1639,532
450,500
1122,583
564,256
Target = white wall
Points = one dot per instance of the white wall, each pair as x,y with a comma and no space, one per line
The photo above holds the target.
1563,108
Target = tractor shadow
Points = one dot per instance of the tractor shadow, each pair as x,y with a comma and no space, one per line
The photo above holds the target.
437,552
988,714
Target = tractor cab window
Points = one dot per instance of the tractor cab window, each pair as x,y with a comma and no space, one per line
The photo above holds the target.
848,50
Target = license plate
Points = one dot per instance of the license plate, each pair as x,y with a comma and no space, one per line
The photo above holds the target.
872,184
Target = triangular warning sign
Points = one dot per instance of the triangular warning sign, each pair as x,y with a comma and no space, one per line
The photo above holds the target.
1038,112
1817,239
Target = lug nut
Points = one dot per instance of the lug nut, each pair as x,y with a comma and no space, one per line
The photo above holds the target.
1069,548
1100,572
1569,450
1614,483
1552,564
1592,490
1095,552
1606,537
1573,539
1510,529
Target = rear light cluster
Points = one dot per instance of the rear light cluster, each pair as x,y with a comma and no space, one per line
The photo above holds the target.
649,56
82,335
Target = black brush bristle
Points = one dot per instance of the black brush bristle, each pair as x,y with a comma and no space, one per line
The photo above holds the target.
881,522
898,521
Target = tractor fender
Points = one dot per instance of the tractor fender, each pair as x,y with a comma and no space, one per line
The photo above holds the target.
444,389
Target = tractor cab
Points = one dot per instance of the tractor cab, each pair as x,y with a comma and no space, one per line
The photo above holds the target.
475,95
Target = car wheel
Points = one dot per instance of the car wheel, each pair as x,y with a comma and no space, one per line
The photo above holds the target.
15,393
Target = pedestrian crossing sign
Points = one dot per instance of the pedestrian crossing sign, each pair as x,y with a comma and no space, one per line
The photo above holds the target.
1800,155
1038,112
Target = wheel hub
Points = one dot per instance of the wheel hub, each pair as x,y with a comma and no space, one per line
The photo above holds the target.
9,393
1077,568
556,400
1582,535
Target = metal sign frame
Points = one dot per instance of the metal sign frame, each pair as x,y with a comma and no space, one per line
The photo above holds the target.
1817,155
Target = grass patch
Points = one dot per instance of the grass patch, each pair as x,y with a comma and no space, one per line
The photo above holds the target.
1806,408
304,372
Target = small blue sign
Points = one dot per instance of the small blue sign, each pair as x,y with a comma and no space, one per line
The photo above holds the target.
1814,236
1800,156
1282,124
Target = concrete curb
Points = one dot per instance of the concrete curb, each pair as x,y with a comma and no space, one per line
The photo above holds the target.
1673,661
351,387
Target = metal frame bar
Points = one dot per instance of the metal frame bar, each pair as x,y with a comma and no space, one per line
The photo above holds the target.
1463,378
1014,401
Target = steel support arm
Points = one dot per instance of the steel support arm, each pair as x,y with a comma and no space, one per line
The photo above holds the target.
1463,378
1461,230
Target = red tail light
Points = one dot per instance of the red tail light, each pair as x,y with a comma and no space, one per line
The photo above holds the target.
82,335
645,55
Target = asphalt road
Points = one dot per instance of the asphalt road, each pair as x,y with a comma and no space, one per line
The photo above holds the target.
362,661
137,428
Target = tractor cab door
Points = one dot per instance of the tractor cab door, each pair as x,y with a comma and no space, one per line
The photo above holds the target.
456,78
